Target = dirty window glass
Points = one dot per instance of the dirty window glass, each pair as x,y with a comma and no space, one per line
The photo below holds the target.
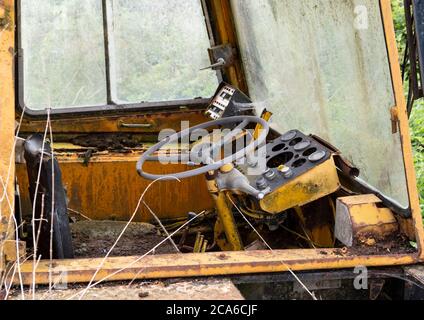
63,50
321,66
157,50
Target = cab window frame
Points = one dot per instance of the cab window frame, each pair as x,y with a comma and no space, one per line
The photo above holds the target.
111,108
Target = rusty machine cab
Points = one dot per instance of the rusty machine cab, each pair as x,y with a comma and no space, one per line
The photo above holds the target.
97,81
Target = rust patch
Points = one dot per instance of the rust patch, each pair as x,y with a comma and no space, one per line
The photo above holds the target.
312,188
340,252
112,142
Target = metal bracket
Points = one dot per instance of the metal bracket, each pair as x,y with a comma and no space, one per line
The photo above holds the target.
134,125
223,56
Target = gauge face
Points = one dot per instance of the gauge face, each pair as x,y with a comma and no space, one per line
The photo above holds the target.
289,136
317,156
295,149
302,145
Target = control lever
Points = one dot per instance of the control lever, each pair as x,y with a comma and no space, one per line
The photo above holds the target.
219,63
236,181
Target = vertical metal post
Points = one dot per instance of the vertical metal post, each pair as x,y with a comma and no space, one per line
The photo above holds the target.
107,52
225,215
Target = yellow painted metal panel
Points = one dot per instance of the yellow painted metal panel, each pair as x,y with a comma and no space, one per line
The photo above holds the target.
204,264
314,184
110,188
7,117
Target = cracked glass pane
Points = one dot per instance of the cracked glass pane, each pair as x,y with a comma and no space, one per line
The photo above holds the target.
321,66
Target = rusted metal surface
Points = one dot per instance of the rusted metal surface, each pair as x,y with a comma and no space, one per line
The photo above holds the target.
98,124
360,220
7,119
406,226
11,250
226,52
108,187
204,264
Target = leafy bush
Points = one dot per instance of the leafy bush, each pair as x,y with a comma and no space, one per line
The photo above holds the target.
417,132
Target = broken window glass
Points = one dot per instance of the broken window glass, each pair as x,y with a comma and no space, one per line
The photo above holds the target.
153,52
321,66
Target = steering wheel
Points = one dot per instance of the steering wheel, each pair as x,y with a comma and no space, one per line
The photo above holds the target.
211,165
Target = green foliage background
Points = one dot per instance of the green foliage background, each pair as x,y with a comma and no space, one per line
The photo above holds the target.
417,117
